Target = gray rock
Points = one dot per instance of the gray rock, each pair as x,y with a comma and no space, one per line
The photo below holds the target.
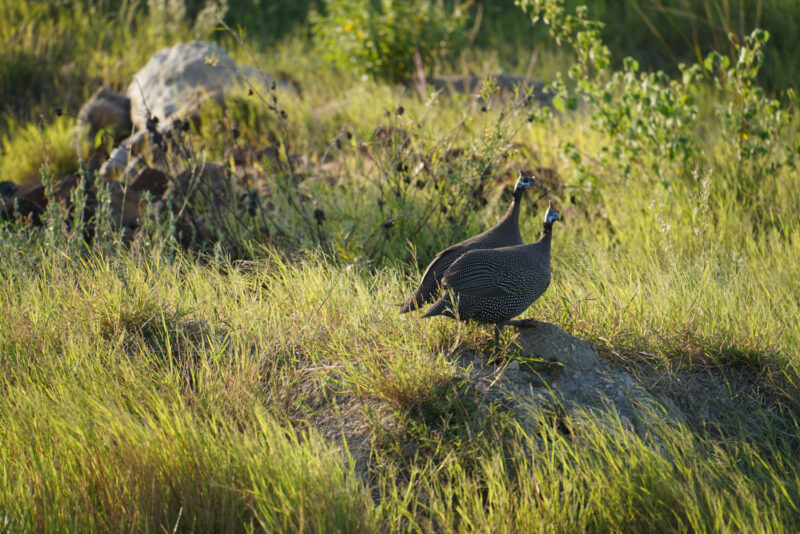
547,341
175,81
600,388
116,163
124,206
120,162
170,86
107,109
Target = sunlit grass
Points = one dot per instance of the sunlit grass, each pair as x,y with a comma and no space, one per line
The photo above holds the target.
53,146
147,388
139,389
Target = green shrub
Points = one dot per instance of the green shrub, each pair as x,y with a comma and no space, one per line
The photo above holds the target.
663,33
381,41
652,123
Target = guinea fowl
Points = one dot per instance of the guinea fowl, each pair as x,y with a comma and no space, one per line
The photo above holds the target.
494,286
504,234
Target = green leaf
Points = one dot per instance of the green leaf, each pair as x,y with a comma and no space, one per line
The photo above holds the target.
572,102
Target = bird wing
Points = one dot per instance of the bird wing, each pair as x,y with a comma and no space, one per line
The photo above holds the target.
431,278
442,261
481,273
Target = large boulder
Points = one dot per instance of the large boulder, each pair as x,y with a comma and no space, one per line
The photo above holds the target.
557,372
206,178
177,79
169,89
34,190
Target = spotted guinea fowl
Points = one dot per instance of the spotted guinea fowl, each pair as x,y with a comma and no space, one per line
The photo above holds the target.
494,286
504,234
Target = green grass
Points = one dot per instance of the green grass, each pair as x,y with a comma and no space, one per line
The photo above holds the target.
141,392
55,58
267,382
54,146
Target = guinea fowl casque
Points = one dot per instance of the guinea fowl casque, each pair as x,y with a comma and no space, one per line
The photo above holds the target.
494,286
504,234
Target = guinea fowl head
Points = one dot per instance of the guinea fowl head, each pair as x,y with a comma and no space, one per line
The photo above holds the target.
525,181
551,215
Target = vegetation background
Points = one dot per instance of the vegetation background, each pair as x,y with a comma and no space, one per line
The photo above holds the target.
145,386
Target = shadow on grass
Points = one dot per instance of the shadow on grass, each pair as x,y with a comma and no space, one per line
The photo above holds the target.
724,392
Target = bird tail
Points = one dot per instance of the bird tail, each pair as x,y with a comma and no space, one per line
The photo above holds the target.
412,303
409,305
422,295
440,307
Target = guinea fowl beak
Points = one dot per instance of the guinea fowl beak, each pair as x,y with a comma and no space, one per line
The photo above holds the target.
525,181
555,216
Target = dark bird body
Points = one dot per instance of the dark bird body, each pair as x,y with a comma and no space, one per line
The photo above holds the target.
505,233
494,286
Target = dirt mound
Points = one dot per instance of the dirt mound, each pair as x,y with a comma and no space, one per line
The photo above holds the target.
556,368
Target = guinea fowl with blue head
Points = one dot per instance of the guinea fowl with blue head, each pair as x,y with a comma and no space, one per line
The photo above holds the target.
494,286
504,234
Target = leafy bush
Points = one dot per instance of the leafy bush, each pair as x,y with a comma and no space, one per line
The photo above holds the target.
652,123
663,33
382,41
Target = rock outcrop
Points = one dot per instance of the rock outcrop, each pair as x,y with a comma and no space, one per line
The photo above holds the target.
177,79
169,90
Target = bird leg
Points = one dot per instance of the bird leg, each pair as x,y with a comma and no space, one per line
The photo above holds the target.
497,328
